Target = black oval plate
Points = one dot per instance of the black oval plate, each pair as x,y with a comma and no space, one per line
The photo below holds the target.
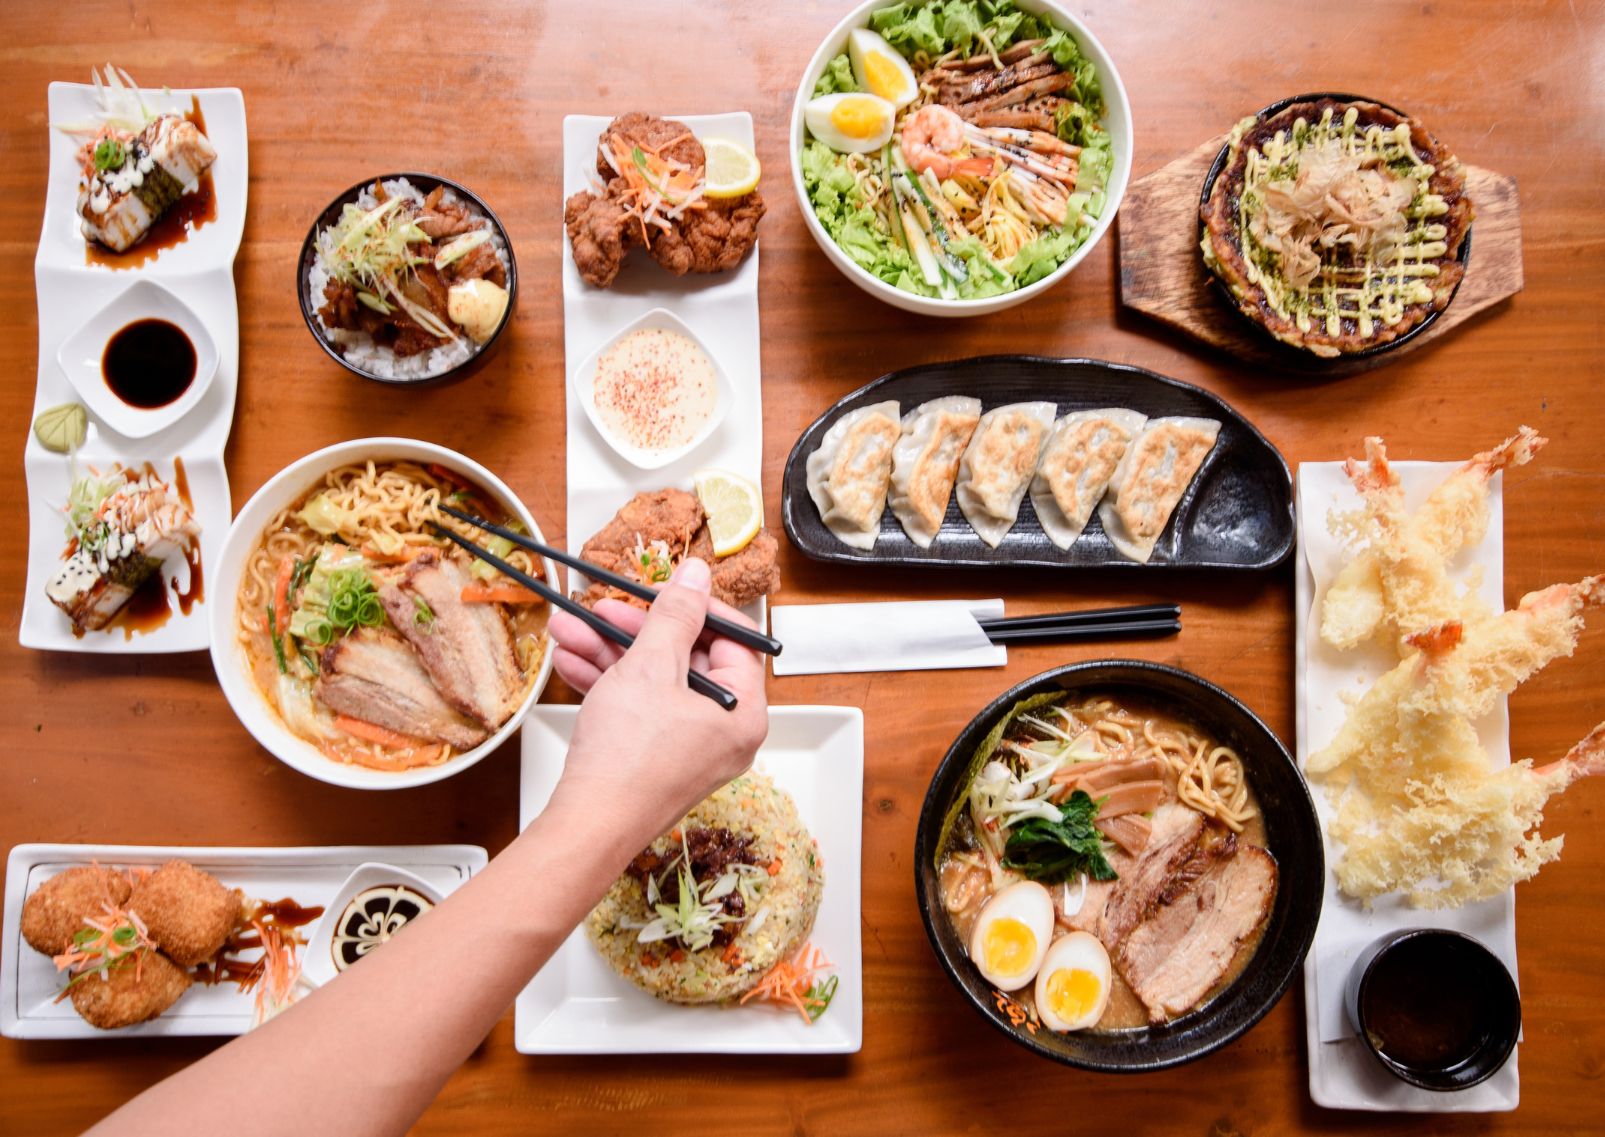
1292,833
1237,514
1292,355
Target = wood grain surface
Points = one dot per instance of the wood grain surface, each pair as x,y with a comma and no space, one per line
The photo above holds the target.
146,751
1162,273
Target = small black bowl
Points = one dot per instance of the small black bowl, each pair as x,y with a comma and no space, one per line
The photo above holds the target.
1453,980
1292,833
1296,356
310,304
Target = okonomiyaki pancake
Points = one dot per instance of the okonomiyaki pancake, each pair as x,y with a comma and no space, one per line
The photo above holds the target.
1336,225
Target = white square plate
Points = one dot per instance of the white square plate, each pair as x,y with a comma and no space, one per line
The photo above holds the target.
200,272
721,309
578,1005
1343,1074
311,876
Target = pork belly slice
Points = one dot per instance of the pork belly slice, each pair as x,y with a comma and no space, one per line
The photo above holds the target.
1178,954
1180,850
467,649
375,677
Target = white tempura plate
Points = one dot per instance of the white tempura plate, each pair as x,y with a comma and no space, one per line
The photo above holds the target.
311,876
721,308
200,272
1343,1074
579,1005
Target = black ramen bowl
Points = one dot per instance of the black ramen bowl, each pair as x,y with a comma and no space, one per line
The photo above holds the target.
1292,834
1286,352
310,303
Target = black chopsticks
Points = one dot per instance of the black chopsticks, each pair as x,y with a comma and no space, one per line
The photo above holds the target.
1092,624
746,637
699,682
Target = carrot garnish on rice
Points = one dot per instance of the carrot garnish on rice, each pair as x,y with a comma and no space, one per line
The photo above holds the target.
795,982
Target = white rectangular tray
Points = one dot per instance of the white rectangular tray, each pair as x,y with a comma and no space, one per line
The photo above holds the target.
29,983
200,271
578,1005
1343,1074
721,308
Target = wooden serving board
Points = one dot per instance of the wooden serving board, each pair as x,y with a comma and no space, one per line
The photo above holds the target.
1162,272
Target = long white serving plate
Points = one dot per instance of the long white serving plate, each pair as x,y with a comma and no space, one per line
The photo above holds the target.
29,983
721,308
1343,1074
200,271
579,1005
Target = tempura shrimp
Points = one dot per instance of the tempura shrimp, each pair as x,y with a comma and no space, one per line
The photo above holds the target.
931,140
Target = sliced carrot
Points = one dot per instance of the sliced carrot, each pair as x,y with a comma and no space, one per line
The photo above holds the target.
373,732
674,834
731,954
649,960
773,867
281,595
499,594
676,955
399,557
446,475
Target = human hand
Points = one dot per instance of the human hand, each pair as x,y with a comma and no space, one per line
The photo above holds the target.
646,745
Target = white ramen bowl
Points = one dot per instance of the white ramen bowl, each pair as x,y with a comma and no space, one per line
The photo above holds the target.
228,656
584,387
1116,119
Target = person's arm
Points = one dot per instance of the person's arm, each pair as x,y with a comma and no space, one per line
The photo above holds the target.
370,1051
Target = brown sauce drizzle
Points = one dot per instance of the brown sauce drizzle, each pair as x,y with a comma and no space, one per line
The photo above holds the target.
225,967
188,214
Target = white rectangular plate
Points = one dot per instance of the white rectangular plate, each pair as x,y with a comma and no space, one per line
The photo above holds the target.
29,983
721,308
1343,1074
200,271
578,1005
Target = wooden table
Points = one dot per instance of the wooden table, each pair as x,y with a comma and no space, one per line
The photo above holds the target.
145,750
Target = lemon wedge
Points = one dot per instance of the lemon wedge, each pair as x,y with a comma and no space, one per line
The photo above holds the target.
735,509
732,170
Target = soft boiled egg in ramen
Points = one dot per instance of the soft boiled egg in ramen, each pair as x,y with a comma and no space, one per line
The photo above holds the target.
1011,935
852,123
880,68
1073,983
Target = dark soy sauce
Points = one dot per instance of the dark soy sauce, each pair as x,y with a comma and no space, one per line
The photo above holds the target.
149,364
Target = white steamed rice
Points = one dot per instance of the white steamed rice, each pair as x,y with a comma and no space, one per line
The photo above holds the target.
358,347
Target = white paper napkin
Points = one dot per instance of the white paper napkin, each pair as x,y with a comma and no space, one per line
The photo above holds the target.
1342,1073
921,635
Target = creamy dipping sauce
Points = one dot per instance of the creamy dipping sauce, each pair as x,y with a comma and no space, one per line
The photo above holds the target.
654,389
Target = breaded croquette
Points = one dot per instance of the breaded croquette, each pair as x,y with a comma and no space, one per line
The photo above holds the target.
134,991
189,912
57,909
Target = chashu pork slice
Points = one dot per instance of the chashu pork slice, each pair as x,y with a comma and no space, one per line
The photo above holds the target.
1179,850
467,649
375,677
1179,953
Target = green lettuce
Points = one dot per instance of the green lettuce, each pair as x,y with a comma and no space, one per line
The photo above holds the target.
837,77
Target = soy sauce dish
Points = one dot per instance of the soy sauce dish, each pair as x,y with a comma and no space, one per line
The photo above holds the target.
1436,1008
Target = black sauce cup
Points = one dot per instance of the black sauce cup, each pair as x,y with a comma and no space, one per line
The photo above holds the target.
1484,995
1292,835
310,304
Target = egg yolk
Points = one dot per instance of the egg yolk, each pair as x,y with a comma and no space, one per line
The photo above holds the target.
1008,946
882,77
856,118
1072,992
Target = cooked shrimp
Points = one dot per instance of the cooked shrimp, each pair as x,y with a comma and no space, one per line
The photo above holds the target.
931,140
1454,516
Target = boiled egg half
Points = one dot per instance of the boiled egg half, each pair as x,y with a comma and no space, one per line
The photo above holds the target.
1011,935
851,123
1073,985
880,68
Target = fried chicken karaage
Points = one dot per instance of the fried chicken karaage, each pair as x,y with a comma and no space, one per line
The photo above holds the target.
650,194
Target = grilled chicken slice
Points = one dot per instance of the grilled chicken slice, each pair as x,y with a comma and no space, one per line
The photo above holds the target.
467,649
375,677
1178,954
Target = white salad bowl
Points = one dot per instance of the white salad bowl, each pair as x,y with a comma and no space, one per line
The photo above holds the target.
81,353
228,657
1116,119
584,387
